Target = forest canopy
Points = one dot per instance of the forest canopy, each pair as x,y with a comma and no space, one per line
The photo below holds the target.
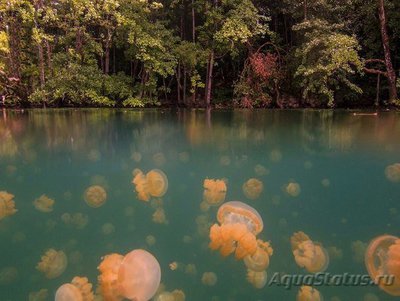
200,53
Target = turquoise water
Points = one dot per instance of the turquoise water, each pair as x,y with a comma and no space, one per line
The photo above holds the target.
62,152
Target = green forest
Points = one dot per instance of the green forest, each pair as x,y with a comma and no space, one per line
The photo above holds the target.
200,53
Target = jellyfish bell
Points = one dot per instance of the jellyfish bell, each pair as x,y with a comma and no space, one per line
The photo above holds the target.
214,191
252,188
308,293
78,290
53,263
157,182
7,204
135,276
293,189
392,172
259,261
44,203
257,279
382,259
95,196
240,224
209,278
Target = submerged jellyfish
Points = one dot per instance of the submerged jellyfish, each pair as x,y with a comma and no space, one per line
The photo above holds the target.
214,191
308,254
44,203
252,188
78,290
358,247
259,261
240,224
293,189
308,293
257,279
95,196
260,170
8,275
392,172
382,259
53,263
153,184
135,276
159,216
209,278
40,295
7,204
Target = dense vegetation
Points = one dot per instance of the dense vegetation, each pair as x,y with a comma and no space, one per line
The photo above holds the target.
246,53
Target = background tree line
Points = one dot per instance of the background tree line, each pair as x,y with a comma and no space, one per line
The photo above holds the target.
246,53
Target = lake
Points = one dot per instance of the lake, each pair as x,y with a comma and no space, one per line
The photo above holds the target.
322,172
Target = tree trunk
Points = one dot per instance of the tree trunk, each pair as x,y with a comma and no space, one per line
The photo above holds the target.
41,64
184,84
210,66
49,54
14,44
178,83
305,10
193,23
391,75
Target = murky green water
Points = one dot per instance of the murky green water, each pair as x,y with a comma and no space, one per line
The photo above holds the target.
337,158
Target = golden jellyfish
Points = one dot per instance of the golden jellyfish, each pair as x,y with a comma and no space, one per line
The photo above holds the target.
325,183
382,259
209,278
77,220
358,247
392,172
308,293
293,189
190,269
335,252
184,157
7,204
257,279
204,206
225,161
259,261
176,295
53,263
150,240
275,155
44,203
159,216
135,276
252,188
8,275
136,156
40,295
214,191
173,266
308,254
78,290
153,184
95,196
260,170
240,224
108,229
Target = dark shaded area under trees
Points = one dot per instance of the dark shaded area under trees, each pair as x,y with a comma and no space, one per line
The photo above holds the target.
200,53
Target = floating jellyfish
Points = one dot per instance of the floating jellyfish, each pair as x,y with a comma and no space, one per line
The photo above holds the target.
150,240
187,239
40,295
308,293
257,279
308,254
173,266
94,155
78,290
153,184
184,157
214,191
95,196
392,172
275,155
293,189
7,204
259,261
190,269
159,216
8,275
209,278
260,170
176,295
44,203
204,206
108,229
129,211
382,259
53,263
358,247
136,156
77,220
335,252
370,297
18,237
135,276
325,183
252,188
225,161
240,224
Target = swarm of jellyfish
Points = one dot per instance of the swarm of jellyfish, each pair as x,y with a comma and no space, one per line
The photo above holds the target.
7,204
152,184
135,276
382,259
308,254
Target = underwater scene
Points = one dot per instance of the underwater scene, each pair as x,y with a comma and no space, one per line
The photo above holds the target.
210,205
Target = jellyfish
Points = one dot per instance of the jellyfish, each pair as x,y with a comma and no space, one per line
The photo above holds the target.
204,206
135,276
275,155
382,259
108,229
325,183
44,203
7,204
358,247
77,220
392,172
308,293
240,224
176,295
259,261
308,254
257,279
159,216
214,191
153,184
190,269
53,263
150,240
260,170
136,156
94,155
184,157
40,295
209,278
370,297
335,252
8,275
293,189
78,290
173,266
252,188
95,196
